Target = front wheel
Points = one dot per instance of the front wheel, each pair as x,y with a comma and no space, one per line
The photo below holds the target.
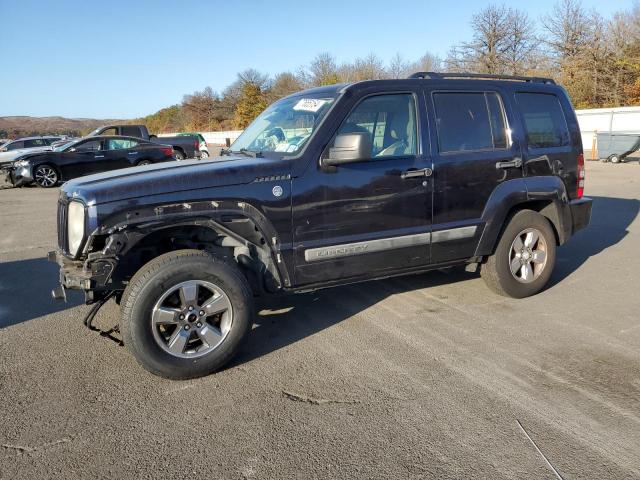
204,154
524,258
143,162
45,176
185,314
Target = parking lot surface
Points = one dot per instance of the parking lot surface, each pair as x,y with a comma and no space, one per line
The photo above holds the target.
416,377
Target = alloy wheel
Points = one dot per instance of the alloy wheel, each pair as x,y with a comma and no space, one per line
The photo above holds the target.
191,319
46,176
528,255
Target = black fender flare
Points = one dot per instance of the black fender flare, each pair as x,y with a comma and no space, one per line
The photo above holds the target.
545,194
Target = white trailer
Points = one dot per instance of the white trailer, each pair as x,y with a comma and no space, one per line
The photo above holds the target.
611,126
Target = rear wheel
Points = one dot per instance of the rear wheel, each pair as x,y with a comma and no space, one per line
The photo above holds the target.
45,176
143,162
614,158
178,155
185,314
524,258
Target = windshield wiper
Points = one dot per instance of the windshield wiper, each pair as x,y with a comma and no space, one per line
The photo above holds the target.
249,153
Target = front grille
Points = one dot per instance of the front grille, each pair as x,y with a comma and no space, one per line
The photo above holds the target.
62,225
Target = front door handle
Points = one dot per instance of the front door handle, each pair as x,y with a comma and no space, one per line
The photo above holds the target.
99,156
515,163
415,173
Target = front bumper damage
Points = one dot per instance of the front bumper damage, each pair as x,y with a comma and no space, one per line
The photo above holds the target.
91,276
17,176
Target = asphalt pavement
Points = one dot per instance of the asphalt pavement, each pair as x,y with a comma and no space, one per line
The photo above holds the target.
429,376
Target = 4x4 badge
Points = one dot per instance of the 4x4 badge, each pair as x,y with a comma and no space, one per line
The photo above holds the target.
277,191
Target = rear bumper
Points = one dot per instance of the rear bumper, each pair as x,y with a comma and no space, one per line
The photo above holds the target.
580,213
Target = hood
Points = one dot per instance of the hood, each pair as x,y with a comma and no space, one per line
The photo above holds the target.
10,156
171,177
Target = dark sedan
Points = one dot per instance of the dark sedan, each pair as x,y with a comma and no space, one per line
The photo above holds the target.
84,157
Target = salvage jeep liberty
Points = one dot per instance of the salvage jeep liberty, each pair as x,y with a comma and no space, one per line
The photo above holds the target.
328,186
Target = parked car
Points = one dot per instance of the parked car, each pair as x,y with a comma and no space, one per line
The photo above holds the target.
329,186
204,150
16,148
84,157
183,146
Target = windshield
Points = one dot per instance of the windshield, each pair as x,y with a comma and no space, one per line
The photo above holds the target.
284,126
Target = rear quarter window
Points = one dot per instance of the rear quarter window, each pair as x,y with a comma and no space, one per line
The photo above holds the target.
469,121
544,121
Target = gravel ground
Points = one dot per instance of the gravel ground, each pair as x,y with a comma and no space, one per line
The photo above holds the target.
416,377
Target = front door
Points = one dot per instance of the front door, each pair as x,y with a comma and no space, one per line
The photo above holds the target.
373,216
473,155
80,159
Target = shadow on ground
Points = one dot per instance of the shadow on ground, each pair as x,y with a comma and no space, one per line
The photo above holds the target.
25,291
610,220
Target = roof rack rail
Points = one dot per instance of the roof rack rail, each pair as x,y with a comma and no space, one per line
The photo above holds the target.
486,76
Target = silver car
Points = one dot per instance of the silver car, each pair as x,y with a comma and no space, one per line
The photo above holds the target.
13,149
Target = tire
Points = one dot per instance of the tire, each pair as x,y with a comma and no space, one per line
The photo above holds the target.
524,282
204,154
143,162
178,155
151,339
46,176
614,158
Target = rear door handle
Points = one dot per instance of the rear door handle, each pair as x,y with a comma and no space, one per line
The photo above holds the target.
515,163
99,156
415,173
133,153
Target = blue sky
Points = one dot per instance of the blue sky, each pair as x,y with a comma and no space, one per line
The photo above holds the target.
122,59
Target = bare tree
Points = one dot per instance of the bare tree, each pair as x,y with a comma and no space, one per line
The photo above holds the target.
398,67
323,70
366,68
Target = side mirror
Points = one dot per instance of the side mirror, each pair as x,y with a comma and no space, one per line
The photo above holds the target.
350,148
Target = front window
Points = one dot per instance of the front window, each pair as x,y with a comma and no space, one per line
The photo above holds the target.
285,126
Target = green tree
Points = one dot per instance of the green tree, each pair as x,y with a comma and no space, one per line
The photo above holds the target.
251,103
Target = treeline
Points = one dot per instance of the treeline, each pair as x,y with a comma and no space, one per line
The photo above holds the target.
596,59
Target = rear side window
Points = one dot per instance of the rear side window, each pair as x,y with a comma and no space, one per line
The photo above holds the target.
544,120
470,121
120,143
131,131
15,146
37,142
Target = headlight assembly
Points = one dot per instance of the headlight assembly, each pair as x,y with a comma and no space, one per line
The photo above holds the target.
21,163
75,226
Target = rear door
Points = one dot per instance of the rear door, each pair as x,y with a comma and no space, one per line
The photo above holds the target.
119,153
474,154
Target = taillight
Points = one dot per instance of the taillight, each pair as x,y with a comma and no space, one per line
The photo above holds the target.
581,175
168,151
197,144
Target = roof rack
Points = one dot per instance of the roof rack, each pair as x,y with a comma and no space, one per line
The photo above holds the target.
486,76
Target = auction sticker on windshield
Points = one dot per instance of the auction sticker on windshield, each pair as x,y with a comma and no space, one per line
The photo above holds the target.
309,104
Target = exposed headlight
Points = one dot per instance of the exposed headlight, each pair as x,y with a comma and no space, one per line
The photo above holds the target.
75,226
21,163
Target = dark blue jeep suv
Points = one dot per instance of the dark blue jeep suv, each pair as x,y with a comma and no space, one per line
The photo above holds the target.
328,186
